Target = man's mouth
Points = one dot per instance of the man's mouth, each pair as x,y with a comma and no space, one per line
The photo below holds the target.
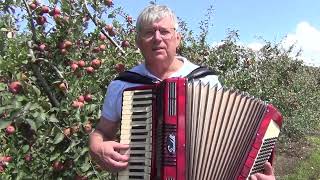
157,48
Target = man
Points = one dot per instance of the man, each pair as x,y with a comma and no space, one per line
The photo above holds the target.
158,40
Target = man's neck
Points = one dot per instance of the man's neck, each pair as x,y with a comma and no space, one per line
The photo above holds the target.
165,69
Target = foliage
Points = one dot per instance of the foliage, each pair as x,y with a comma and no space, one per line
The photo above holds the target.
54,67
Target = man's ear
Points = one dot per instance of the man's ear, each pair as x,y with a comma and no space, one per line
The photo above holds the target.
138,41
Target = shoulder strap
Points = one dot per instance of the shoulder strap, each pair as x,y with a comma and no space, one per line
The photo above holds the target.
134,77
200,72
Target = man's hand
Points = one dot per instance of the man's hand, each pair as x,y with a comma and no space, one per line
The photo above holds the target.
104,150
107,155
267,175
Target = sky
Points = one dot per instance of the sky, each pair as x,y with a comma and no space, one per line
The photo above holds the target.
276,21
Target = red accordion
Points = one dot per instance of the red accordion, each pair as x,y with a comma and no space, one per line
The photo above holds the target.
180,130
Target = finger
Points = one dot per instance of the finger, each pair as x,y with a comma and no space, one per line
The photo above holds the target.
253,177
268,170
119,157
118,165
120,146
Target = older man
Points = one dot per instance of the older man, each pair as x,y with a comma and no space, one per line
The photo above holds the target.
158,40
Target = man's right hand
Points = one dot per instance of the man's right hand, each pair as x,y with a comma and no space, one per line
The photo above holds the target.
107,155
104,150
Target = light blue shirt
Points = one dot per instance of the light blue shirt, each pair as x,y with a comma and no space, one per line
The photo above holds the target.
111,109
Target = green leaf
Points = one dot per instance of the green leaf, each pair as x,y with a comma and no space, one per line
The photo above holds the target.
59,137
4,123
54,156
3,86
36,90
25,148
32,124
53,118
85,167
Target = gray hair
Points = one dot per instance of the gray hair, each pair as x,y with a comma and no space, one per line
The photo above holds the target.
153,13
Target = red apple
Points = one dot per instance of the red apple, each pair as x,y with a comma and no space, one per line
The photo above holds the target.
77,104
67,132
119,67
125,44
81,63
67,44
57,166
108,27
63,51
45,9
81,98
129,19
55,11
7,159
2,168
88,97
102,37
74,66
96,63
87,128
42,47
33,6
28,157
10,129
112,33
90,70
15,87
102,47
109,3
41,20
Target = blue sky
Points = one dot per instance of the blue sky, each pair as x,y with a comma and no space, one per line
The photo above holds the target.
273,20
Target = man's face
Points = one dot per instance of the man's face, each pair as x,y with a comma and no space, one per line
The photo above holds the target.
158,41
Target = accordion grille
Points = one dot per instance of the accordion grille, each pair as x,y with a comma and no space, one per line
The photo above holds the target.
220,126
136,130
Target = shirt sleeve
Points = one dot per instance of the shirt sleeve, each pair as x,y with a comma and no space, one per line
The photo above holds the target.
111,108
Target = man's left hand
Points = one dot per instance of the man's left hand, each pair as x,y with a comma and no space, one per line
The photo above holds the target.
267,175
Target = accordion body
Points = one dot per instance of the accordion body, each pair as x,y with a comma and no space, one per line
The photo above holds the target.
180,130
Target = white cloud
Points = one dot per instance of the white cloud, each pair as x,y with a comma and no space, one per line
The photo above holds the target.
307,38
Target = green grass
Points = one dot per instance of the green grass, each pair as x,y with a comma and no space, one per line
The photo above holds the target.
308,169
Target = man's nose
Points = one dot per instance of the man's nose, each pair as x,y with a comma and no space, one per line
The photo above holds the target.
157,35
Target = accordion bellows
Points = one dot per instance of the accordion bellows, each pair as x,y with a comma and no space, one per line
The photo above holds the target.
179,130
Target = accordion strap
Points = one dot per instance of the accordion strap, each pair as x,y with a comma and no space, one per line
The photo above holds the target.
133,77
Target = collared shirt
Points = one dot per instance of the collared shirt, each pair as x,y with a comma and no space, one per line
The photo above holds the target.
111,109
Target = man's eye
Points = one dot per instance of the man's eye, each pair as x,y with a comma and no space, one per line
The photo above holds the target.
164,32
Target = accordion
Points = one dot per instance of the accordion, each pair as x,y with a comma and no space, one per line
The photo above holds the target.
180,130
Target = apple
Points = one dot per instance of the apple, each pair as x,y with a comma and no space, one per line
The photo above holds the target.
67,44
75,128
109,3
74,66
109,27
102,47
33,6
96,63
57,166
119,67
90,70
102,37
62,86
42,47
7,159
68,164
129,19
55,11
44,9
15,87
88,97
10,129
76,104
41,20
81,63
87,128
67,132
63,51
125,44
2,168
81,98
28,157
112,33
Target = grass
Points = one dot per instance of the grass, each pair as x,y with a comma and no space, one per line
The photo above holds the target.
308,169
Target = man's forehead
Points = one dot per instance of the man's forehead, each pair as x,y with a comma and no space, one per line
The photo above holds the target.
159,22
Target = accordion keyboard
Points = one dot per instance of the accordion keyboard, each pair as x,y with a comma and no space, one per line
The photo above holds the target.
136,130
